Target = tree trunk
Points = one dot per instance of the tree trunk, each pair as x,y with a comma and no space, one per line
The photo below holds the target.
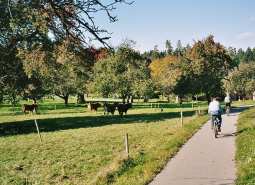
128,99
208,98
180,100
13,100
34,100
80,98
145,99
66,99
123,99
1,98
177,99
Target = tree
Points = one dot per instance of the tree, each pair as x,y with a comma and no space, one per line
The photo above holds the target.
186,49
64,67
249,56
34,89
122,74
31,19
30,31
166,73
141,83
245,56
12,76
241,80
154,54
179,51
210,64
240,55
169,47
101,53
234,55
102,79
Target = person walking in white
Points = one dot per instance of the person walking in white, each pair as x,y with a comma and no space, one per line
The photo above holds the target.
215,110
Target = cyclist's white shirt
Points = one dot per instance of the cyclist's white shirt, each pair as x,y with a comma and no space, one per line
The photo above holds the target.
227,99
214,107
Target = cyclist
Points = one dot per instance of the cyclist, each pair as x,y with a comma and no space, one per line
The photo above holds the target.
227,101
215,110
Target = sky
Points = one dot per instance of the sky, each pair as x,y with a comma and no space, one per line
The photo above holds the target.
152,22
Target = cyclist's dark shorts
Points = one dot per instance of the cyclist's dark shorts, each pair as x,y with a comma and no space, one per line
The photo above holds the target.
216,116
227,104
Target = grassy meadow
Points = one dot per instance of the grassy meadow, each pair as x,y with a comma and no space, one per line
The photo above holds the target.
245,154
243,102
83,147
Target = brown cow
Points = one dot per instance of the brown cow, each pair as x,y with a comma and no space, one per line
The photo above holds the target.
93,106
29,108
110,108
123,108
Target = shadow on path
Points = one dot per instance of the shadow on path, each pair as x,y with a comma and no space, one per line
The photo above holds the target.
233,134
234,111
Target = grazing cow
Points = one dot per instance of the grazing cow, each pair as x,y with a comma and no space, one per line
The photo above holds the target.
29,108
110,108
94,106
123,108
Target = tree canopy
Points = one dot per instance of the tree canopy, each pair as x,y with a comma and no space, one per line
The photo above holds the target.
45,48
199,69
123,74
210,64
241,80
45,45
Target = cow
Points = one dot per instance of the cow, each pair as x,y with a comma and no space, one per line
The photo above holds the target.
93,106
110,108
123,108
29,108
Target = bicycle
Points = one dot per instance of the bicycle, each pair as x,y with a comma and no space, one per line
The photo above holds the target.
216,124
227,110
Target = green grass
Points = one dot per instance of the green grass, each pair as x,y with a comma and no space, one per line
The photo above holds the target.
243,102
245,154
49,109
81,147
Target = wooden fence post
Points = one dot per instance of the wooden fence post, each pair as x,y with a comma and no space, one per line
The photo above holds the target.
181,118
38,131
126,145
37,128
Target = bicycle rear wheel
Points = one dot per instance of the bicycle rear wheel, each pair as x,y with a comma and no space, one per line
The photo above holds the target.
227,110
215,131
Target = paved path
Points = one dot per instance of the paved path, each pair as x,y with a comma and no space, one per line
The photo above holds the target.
204,160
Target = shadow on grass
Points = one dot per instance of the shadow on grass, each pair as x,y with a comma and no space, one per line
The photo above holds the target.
55,124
